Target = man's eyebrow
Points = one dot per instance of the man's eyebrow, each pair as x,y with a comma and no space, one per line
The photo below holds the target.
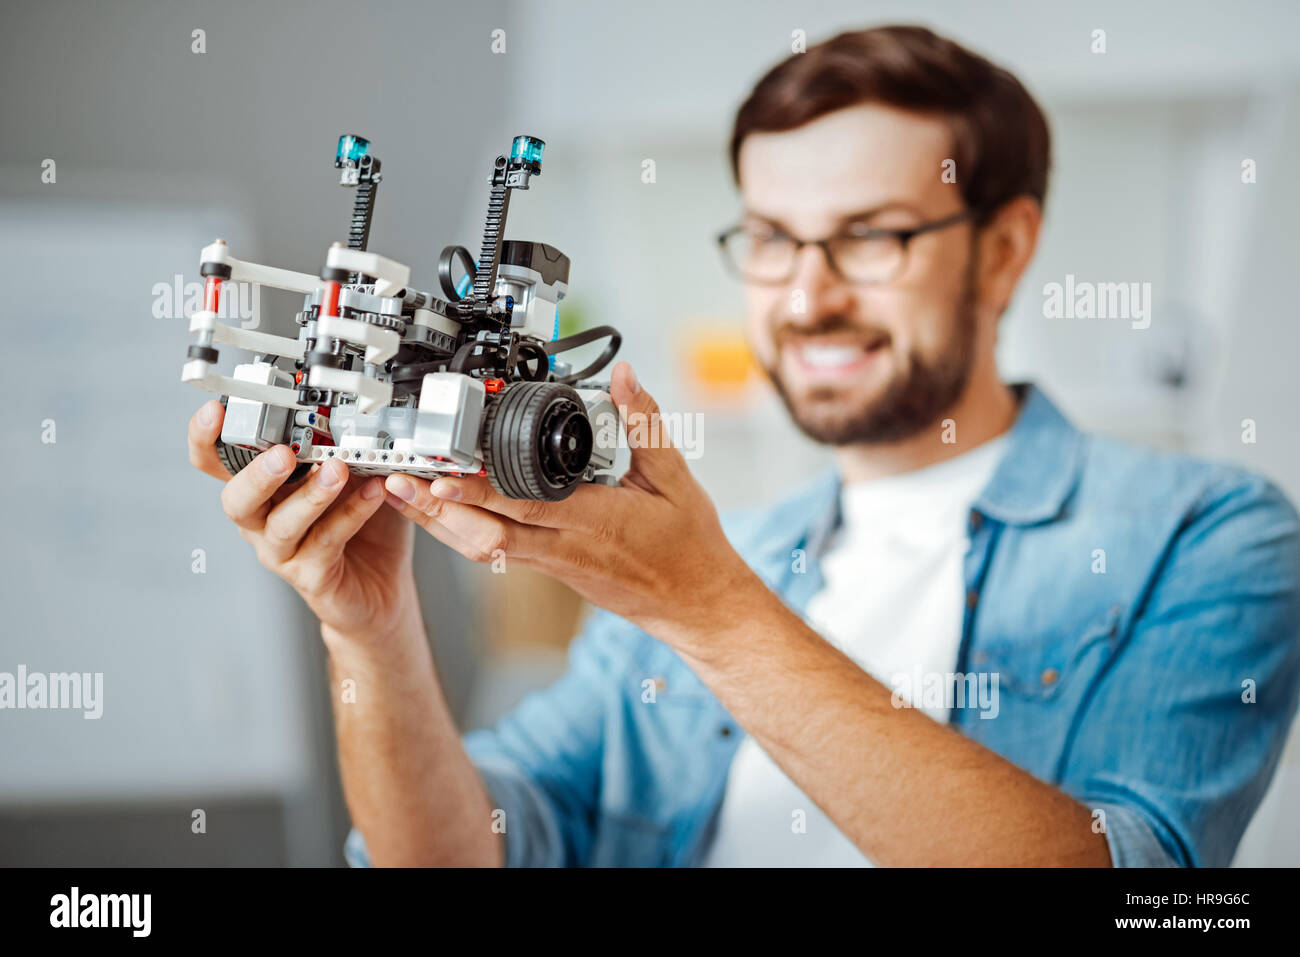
863,215
769,220
857,216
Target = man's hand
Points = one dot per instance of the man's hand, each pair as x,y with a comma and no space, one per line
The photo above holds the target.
651,550
327,535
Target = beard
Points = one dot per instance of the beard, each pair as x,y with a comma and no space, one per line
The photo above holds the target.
921,387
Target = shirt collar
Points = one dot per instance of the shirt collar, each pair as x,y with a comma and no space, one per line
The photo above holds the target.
1030,485
1041,467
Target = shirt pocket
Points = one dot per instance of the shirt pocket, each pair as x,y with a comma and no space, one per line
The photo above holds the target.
1046,668
1042,681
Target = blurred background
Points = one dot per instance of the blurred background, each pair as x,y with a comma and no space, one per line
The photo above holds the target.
214,687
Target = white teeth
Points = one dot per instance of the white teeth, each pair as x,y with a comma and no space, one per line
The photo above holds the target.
830,356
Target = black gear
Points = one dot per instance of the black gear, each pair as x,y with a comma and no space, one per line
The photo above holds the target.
396,323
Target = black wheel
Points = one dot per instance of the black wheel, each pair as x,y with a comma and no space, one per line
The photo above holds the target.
537,440
235,458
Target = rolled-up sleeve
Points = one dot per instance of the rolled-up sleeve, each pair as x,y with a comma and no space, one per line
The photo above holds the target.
1178,744
1132,840
541,763
355,851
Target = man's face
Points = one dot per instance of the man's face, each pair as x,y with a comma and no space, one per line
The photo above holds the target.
862,363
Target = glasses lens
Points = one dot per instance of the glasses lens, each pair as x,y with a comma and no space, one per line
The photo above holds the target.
760,255
868,258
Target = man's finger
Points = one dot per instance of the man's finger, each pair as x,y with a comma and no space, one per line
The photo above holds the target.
653,454
414,494
417,517
490,536
290,520
478,491
205,429
482,534
329,536
246,497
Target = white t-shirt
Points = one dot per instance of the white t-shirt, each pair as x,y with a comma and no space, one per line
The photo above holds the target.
893,601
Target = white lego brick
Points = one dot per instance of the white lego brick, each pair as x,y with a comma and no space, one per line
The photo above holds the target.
218,253
390,276
439,323
381,462
605,426
371,394
198,372
381,344
442,392
271,276
225,335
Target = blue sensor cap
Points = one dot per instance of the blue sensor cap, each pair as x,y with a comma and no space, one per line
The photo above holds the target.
351,148
527,148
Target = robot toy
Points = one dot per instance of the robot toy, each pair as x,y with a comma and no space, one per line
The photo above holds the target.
390,379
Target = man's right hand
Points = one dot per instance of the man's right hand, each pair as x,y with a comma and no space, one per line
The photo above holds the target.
328,535
410,785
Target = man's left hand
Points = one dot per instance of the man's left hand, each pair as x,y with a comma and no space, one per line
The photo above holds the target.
650,550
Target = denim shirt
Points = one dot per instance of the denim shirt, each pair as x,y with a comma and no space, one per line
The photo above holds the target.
1141,611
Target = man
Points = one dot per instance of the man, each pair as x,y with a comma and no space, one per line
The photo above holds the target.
761,691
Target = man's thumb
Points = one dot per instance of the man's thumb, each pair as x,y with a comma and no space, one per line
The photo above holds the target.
647,433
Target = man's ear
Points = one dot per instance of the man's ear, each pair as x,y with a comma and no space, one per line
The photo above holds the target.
1006,245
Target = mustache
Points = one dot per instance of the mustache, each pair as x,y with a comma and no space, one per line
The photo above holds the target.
787,331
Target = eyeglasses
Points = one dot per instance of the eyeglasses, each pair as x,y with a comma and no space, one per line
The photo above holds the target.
760,253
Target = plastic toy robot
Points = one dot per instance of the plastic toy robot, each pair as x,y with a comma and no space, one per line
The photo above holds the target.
390,379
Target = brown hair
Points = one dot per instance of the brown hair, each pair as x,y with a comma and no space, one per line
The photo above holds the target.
1000,137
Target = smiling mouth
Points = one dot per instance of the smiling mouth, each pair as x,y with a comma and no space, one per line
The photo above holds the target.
831,359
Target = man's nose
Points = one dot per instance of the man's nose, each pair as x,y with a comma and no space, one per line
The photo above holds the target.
816,289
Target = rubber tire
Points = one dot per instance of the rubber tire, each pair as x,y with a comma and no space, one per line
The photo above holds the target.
512,440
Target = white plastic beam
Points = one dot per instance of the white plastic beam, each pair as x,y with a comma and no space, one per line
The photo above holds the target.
273,276
225,335
199,373
390,276
371,394
381,344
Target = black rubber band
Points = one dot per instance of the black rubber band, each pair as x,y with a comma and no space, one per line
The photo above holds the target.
581,339
445,262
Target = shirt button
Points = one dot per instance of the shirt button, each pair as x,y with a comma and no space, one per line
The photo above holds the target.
972,598
1049,676
975,520
725,732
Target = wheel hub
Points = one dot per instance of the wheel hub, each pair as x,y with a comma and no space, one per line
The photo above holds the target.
566,442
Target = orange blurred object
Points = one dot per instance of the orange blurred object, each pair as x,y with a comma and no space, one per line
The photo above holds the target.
717,357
